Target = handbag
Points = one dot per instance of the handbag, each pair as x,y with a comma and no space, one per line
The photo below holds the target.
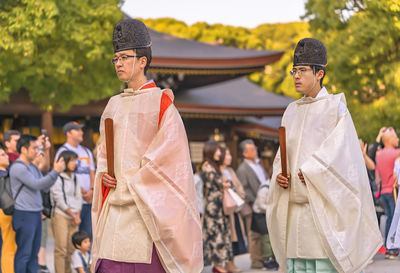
246,210
229,205
239,201
259,223
46,202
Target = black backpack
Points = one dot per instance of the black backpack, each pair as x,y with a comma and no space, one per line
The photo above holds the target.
7,201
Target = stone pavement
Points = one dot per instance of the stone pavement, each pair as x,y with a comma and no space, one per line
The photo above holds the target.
380,265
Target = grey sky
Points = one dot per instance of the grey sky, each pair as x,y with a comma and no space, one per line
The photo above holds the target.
247,13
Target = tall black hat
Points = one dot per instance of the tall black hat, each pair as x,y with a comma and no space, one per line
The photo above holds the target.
310,51
130,34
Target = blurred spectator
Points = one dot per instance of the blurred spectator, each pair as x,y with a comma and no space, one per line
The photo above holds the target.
251,174
235,219
26,183
259,224
10,139
198,184
42,161
216,229
9,246
85,170
81,260
385,159
67,199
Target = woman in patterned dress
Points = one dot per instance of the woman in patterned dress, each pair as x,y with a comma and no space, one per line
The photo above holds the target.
216,228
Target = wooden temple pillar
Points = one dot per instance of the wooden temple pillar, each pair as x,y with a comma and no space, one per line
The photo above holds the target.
47,124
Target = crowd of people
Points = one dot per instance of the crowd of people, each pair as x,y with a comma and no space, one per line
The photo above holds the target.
25,159
68,184
383,162
226,236
61,193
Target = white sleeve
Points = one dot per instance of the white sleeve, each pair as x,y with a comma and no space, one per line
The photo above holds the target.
76,261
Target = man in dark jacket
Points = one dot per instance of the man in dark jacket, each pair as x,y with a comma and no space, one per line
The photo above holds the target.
251,174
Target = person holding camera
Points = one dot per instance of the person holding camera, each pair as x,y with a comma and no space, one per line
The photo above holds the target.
26,183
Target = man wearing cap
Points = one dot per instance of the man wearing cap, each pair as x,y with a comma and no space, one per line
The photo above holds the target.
85,170
145,219
320,217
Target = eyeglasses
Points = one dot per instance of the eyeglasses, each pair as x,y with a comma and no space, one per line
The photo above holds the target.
122,58
299,71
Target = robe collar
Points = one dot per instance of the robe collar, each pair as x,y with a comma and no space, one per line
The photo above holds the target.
142,89
322,94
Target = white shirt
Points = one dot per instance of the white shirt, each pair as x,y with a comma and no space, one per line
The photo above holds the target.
85,164
259,171
76,260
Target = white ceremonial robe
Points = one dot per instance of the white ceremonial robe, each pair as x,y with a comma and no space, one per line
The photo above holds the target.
333,215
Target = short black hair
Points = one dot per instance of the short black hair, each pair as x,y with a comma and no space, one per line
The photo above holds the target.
8,134
25,141
68,156
78,237
144,52
317,68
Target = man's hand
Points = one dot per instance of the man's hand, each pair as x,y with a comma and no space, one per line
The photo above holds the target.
283,181
59,166
300,174
379,137
109,181
363,146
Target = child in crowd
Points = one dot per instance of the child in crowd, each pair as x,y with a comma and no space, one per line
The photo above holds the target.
67,199
81,259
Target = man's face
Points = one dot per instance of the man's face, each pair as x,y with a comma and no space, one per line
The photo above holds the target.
394,138
251,152
31,152
4,162
75,135
304,78
390,137
124,67
12,144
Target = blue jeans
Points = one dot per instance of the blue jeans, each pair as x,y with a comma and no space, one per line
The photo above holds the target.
86,219
389,206
28,232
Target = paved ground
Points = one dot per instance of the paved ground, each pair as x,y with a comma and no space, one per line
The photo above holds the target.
380,265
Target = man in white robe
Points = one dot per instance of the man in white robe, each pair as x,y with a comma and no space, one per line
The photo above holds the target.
321,216
145,219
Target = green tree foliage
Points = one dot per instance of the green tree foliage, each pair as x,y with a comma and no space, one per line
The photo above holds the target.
58,50
363,42
283,37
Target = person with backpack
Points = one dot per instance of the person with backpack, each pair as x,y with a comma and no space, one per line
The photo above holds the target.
67,200
81,260
85,170
9,246
26,182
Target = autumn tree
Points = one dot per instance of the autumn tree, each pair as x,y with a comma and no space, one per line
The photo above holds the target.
58,50
363,42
